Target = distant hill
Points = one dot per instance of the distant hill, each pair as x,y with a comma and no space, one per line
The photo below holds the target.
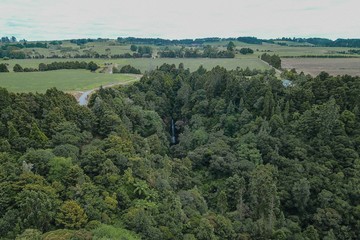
324,42
318,42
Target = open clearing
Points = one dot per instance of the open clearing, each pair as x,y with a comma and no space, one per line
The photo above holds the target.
333,66
65,80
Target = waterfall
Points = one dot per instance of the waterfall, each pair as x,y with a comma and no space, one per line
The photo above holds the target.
173,139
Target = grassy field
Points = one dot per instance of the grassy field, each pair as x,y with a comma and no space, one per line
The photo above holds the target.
66,80
333,66
112,47
294,50
147,64
309,65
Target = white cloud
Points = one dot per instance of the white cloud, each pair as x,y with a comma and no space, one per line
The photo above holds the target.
43,19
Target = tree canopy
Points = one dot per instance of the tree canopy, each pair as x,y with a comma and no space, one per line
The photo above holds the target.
252,159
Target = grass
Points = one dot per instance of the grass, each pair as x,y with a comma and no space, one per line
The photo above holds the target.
193,64
65,80
294,50
147,64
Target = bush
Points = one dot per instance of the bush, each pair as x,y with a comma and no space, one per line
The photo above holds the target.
92,66
246,51
18,68
30,70
3,68
129,69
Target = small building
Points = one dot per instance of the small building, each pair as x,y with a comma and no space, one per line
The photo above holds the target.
286,83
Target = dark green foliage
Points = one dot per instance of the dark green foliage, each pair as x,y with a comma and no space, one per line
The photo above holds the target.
231,46
246,51
128,69
18,68
273,60
250,40
144,51
323,42
207,52
133,48
68,65
252,159
3,68
92,66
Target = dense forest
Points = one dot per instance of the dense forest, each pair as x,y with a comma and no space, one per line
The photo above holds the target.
178,155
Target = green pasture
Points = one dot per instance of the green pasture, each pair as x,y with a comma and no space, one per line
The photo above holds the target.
147,64
65,80
68,48
194,63
294,50
112,47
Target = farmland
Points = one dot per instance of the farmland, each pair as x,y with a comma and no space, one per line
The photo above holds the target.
66,80
292,54
148,64
333,66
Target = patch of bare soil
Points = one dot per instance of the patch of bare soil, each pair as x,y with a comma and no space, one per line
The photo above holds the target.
333,66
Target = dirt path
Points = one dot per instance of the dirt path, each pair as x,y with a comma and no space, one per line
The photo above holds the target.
83,96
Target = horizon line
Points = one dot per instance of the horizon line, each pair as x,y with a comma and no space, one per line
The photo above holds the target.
194,38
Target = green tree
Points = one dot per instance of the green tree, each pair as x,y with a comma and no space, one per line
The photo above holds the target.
204,230
133,48
246,51
92,66
231,46
37,138
222,202
235,188
71,215
36,206
39,158
311,233
58,168
30,234
43,67
264,198
301,194
3,68
269,104
17,68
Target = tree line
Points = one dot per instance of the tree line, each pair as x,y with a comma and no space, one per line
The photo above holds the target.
68,65
206,52
53,66
127,69
324,42
273,60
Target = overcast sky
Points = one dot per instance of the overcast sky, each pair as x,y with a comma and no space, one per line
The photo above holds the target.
66,19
